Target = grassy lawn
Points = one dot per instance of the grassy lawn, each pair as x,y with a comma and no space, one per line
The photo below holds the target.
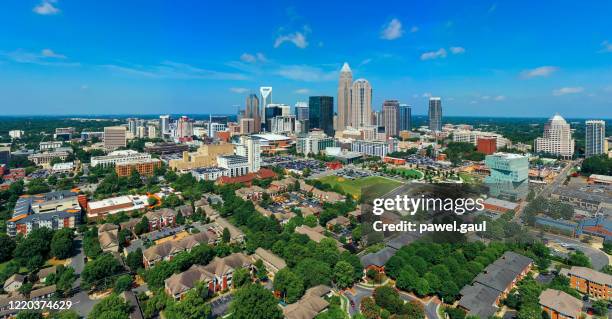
467,178
354,186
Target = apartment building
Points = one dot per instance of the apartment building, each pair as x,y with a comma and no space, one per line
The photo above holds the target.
144,167
119,157
162,218
589,281
168,249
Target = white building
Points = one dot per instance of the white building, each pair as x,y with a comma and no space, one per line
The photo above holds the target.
595,140
152,131
314,143
236,164
15,133
468,136
164,124
43,146
209,173
117,157
557,139
375,148
284,124
250,147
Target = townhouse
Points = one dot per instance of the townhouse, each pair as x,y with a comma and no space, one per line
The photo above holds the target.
493,284
168,249
162,218
108,236
310,305
560,305
217,275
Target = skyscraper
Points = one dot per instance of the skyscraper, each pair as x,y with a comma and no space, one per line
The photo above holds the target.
321,113
272,111
164,124
301,111
405,117
557,139
252,111
184,127
115,137
391,117
250,147
266,98
435,114
344,97
595,138
361,103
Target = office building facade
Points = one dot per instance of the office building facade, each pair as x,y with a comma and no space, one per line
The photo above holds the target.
391,117
595,138
435,114
321,114
557,139
361,103
345,83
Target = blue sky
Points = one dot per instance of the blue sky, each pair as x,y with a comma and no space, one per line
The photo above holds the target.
484,58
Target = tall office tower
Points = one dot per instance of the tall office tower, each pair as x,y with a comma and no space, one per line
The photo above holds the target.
115,137
391,117
252,111
141,132
435,114
272,111
152,131
405,117
301,117
595,138
557,138
321,113
247,126
285,109
164,124
250,147
184,127
132,126
266,98
344,98
361,103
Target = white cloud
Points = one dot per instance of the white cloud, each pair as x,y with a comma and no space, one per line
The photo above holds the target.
392,30
568,90
499,98
457,50
306,73
606,47
173,70
302,91
239,90
297,38
252,58
441,53
426,95
45,57
50,54
84,87
485,97
46,7
365,61
414,29
542,71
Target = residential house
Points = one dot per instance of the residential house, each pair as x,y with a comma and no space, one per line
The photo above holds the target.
282,185
159,219
43,293
14,282
45,272
108,236
310,305
324,196
272,262
168,249
339,221
316,235
560,305
253,193
217,275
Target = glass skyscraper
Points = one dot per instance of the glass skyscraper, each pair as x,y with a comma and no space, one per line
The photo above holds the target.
435,114
321,113
405,117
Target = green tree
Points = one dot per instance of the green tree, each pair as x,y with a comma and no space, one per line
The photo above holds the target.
7,246
66,314
253,301
100,268
343,274
123,283
29,314
225,237
134,260
192,306
62,243
112,306
289,284
241,277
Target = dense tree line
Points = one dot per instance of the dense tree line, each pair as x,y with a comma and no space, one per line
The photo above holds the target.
597,165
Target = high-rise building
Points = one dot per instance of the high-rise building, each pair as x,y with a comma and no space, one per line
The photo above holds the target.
152,131
509,175
184,127
435,114
266,98
141,132
115,137
283,124
301,111
391,117
321,114
250,147
164,124
252,111
595,138
247,126
314,143
361,103
405,117
557,139
133,126
272,111
344,98
285,109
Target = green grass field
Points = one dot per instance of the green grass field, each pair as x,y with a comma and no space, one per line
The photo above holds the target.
354,186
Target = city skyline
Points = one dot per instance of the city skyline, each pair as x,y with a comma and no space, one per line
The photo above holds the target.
166,59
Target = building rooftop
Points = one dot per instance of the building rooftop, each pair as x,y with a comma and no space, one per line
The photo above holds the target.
561,302
479,300
591,275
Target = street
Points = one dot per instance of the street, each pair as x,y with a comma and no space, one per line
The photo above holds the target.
599,259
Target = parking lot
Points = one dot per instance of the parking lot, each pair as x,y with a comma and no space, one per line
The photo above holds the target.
220,305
